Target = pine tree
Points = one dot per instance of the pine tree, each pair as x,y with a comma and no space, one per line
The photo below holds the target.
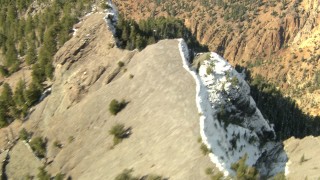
32,94
31,56
3,115
8,105
6,95
11,58
19,98
38,73
29,27
22,47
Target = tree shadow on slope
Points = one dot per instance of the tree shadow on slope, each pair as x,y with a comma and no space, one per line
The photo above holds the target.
281,111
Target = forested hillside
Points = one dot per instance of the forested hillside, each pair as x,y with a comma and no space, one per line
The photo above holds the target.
30,34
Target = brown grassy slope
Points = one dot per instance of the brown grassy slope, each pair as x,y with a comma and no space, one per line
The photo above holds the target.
277,40
161,111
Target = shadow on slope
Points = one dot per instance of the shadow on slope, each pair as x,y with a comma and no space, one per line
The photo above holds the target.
281,111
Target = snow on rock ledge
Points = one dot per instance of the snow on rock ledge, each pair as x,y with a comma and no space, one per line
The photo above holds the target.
111,17
230,124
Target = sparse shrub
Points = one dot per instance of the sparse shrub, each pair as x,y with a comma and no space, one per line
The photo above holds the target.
302,159
243,171
59,176
208,56
70,139
120,64
234,81
57,144
3,71
24,135
199,140
218,176
43,174
208,171
209,70
115,106
279,176
153,177
205,150
38,145
126,175
131,76
119,132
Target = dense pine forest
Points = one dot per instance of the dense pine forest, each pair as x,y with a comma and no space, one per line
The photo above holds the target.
30,34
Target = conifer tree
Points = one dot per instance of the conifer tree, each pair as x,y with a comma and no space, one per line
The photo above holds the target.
19,98
31,56
32,94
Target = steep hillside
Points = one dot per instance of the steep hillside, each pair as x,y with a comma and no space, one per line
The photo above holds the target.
272,38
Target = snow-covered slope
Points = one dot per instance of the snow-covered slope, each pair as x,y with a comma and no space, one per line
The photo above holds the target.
231,124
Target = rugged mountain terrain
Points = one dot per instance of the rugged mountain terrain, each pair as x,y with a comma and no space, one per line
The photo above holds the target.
276,39
165,96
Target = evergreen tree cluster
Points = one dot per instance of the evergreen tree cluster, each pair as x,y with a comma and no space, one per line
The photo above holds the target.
15,105
31,37
138,35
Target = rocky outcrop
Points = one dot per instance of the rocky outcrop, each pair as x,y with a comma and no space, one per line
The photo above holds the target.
231,124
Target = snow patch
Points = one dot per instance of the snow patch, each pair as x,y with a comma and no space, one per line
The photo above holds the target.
74,31
286,172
